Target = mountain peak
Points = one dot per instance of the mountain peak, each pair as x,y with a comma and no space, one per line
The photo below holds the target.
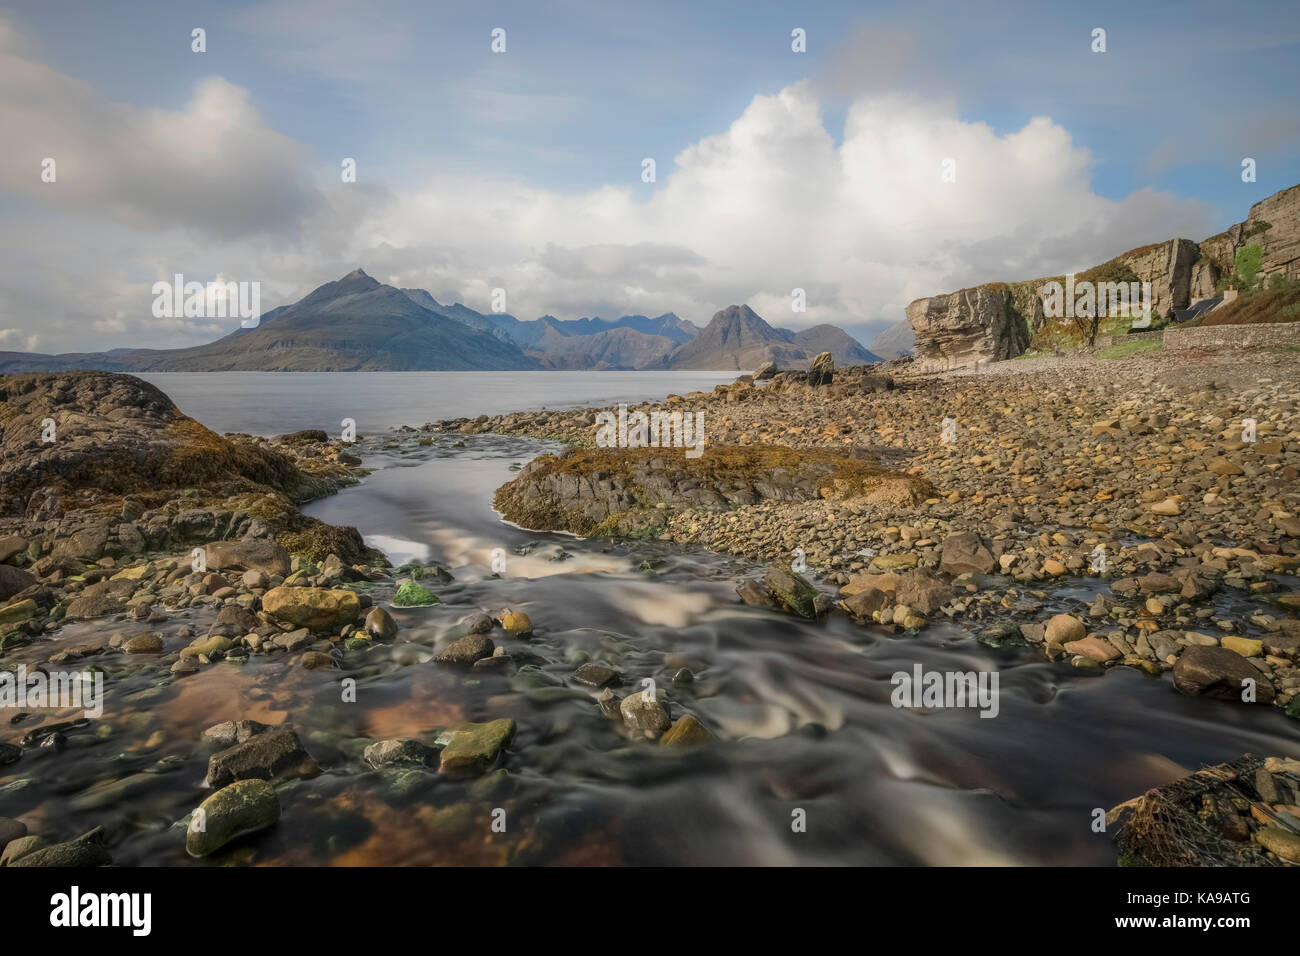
355,274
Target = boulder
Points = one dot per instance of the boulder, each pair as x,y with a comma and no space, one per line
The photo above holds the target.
265,756
243,807
969,327
474,748
1065,629
14,581
319,609
922,591
595,675
822,370
400,750
86,850
230,732
644,716
791,591
380,624
686,732
1219,673
254,554
466,650
1093,648
965,553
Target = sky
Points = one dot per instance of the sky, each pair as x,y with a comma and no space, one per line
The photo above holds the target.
523,170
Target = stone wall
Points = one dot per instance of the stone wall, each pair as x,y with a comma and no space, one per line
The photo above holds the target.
1233,336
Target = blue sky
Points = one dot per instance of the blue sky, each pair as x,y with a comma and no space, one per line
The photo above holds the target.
540,148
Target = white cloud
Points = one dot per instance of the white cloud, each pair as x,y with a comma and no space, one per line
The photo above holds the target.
16,340
214,168
772,203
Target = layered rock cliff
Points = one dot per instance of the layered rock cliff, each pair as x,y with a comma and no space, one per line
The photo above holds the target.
995,322
970,327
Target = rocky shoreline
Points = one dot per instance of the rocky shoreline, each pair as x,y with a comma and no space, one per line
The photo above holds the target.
173,551
191,549
1132,474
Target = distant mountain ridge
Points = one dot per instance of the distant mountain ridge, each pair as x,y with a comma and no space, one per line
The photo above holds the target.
357,323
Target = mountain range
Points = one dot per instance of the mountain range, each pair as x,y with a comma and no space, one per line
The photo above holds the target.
357,323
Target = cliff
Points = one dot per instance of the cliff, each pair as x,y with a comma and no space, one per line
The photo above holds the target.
997,321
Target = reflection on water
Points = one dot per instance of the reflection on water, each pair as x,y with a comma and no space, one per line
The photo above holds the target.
803,709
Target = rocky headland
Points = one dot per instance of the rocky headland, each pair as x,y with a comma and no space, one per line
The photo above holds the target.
1001,320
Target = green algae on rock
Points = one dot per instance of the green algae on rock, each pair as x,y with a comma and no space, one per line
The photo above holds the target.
410,594
244,807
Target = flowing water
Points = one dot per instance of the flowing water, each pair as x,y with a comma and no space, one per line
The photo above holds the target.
803,711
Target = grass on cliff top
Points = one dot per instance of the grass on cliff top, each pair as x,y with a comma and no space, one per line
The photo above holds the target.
1136,347
1270,305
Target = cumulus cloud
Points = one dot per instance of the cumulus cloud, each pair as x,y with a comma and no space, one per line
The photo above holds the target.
859,218
17,340
214,167
773,204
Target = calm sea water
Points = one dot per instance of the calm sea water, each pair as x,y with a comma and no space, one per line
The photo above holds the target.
273,403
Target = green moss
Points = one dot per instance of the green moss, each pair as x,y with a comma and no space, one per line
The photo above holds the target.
411,594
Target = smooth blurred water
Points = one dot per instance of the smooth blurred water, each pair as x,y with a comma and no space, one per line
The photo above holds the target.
274,403
802,710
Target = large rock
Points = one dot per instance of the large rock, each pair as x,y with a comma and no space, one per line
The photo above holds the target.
791,591
319,609
465,651
265,756
18,612
233,621
1219,673
11,830
822,370
118,435
922,590
1168,267
1065,629
244,807
400,750
13,581
968,328
250,555
965,553
686,732
474,748
644,716
85,851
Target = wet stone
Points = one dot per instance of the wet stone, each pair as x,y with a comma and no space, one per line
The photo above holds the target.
595,675
265,756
